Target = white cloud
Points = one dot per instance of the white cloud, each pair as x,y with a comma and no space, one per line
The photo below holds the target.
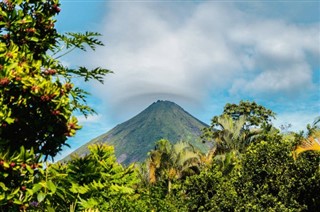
203,48
289,81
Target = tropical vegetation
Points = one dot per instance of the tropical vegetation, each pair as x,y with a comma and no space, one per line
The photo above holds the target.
251,166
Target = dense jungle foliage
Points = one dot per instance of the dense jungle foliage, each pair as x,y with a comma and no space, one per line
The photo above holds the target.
273,172
251,166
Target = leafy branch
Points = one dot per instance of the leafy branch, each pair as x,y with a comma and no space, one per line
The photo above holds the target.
74,41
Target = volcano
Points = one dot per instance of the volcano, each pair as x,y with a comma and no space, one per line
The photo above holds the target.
133,139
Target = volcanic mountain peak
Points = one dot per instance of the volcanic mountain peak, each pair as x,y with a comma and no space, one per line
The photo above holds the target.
134,138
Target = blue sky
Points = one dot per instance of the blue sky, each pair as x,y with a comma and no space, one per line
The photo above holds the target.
199,54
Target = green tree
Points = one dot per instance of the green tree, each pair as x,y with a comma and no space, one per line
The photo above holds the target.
211,190
95,181
37,96
230,140
314,128
269,178
230,136
170,162
264,178
237,127
312,140
20,174
255,114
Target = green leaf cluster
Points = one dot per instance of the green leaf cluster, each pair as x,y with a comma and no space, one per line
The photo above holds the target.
94,181
264,178
255,114
19,179
37,95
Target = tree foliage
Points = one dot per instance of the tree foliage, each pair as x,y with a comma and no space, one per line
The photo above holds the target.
255,114
311,143
230,135
37,96
209,191
238,126
265,178
95,181
169,162
19,178
271,179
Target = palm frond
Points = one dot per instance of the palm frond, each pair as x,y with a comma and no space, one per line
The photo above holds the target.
309,144
180,146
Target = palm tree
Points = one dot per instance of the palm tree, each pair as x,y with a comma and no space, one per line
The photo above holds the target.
312,142
230,134
157,158
312,129
184,157
230,138
154,163
309,144
207,158
169,162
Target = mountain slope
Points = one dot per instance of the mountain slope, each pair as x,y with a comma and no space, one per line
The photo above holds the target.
134,138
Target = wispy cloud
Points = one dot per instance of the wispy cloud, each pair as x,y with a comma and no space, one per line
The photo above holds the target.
204,48
202,55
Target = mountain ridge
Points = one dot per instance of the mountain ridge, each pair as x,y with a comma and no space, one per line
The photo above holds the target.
134,138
